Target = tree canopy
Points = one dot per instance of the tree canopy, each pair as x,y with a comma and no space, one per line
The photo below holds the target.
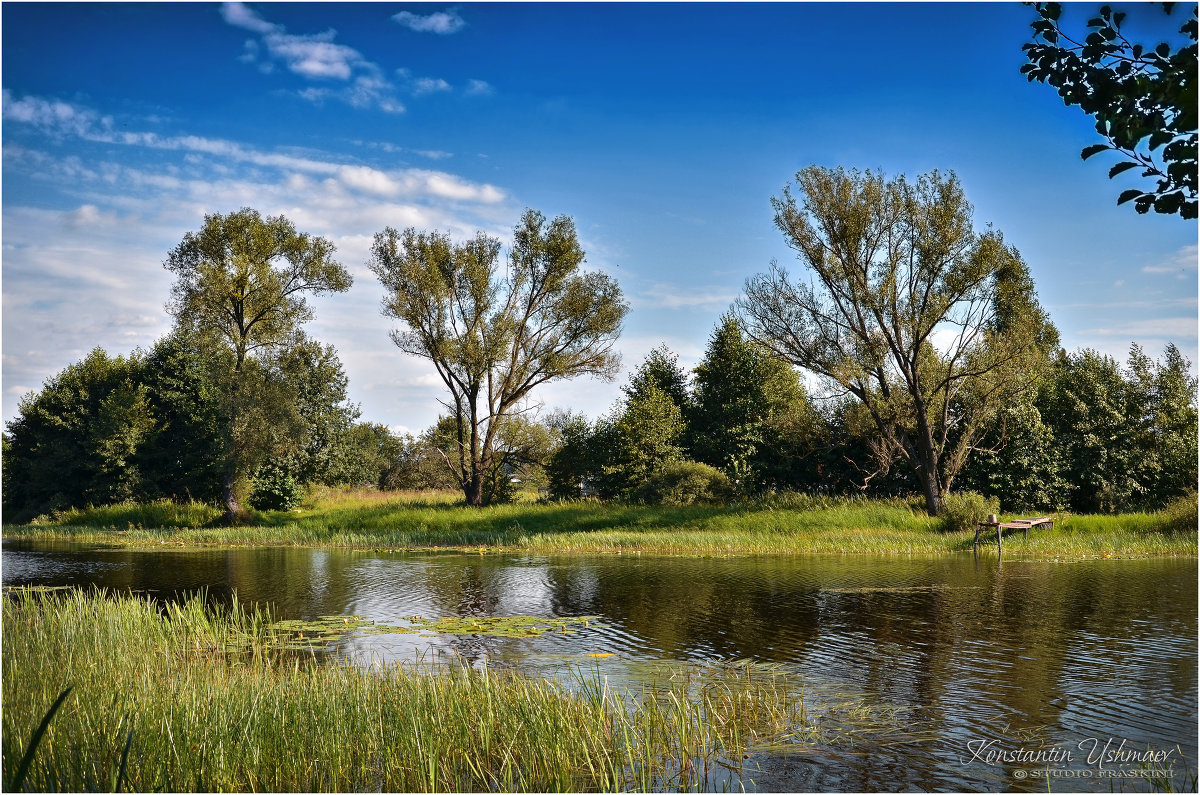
1143,98
241,285
909,310
495,333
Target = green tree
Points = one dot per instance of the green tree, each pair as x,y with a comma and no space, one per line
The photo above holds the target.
418,465
310,437
646,435
184,457
574,466
494,334
1160,410
122,424
908,312
1086,405
1018,461
661,368
241,285
1143,99
76,441
1174,426
367,453
750,414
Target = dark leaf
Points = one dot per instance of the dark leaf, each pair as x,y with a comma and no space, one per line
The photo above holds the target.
1132,193
1120,168
1158,138
1094,149
1168,203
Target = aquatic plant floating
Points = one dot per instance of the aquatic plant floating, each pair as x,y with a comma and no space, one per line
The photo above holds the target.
502,626
318,632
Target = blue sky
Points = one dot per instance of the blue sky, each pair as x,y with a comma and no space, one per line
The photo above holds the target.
662,129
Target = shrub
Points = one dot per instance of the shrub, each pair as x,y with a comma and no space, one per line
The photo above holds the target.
686,483
1181,515
964,511
275,489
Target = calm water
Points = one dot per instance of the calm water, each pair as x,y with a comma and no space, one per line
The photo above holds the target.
978,660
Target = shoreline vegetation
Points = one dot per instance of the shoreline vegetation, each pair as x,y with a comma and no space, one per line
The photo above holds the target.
181,696
780,524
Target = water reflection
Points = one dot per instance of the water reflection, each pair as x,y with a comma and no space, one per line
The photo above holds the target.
1027,654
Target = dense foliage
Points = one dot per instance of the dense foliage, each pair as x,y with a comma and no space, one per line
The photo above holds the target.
1001,412
151,425
929,325
494,331
240,293
1143,98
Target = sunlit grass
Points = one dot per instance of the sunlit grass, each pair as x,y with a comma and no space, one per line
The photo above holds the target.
788,524
205,718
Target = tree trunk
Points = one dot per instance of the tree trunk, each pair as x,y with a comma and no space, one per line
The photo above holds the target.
933,496
473,490
234,512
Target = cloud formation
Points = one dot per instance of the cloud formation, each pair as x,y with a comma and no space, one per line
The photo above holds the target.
1181,264
90,271
315,57
440,22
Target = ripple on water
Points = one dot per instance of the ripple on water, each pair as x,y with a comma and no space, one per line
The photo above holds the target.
957,650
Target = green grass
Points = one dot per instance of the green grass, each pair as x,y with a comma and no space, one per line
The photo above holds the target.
793,524
200,701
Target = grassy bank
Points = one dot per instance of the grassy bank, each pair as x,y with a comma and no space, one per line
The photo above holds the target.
790,525
192,701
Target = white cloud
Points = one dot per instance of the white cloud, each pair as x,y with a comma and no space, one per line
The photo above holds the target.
53,116
478,87
403,182
241,16
1182,263
90,271
1159,328
429,85
441,22
314,56
668,296
85,214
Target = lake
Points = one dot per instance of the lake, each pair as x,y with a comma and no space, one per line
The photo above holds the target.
979,675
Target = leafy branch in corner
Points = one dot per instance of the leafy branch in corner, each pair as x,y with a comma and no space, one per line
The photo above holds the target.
1143,99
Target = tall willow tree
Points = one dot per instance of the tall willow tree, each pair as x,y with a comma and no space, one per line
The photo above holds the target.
494,333
240,289
931,326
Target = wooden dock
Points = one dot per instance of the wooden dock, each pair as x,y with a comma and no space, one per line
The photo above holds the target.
1015,524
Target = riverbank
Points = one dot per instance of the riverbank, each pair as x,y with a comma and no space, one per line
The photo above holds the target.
795,524
197,700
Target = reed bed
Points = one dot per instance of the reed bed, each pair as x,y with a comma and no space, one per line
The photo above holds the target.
786,524
183,698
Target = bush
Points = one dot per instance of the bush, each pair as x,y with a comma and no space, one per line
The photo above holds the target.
275,489
686,483
964,511
1181,515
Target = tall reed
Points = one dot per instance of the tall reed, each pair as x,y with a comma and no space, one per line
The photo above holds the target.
210,707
